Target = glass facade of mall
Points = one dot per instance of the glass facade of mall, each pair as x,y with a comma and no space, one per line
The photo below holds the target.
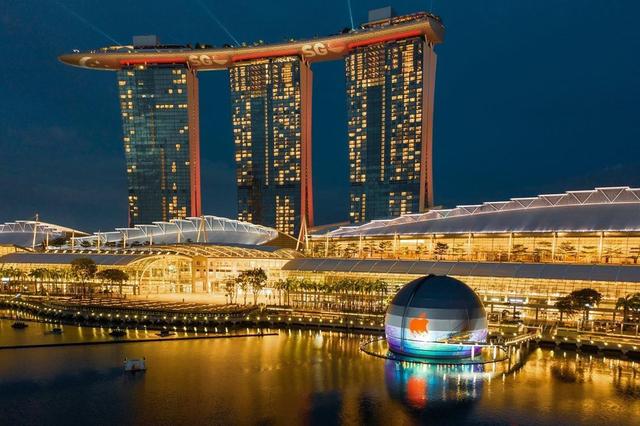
553,247
388,128
159,109
271,117
598,226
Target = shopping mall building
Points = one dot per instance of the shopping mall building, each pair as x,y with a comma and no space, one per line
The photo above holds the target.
520,254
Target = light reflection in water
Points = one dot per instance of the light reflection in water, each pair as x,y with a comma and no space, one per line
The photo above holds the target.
302,376
418,385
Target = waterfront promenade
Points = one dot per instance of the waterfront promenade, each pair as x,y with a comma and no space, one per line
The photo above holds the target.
184,315
136,313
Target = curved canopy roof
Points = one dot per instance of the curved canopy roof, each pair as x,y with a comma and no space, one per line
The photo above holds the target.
205,229
28,233
602,209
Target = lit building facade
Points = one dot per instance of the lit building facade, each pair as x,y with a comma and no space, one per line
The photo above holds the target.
587,227
271,103
159,108
194,255
520,255
390,120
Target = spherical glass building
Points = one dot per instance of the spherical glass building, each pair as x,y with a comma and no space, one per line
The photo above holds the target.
436,317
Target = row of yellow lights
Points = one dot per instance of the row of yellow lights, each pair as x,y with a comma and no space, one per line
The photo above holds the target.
248,318
591,341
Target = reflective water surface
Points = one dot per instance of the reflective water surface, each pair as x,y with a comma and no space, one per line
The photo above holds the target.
297,377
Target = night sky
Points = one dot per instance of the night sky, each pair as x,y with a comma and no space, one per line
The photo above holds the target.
531,97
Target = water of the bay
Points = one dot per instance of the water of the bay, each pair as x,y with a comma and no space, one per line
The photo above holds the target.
297,377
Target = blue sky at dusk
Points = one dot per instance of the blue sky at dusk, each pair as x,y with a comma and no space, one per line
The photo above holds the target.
531,96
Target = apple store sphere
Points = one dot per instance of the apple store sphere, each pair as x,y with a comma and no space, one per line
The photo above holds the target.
435,317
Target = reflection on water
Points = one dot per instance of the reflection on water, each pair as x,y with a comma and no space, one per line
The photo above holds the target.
419,385
307,377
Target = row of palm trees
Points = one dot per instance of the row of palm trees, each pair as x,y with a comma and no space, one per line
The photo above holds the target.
582,301
81,278
15,279
578,301
252,280
345,294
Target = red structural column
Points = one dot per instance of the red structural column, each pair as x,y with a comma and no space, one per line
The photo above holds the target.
306,182
194,143
426,151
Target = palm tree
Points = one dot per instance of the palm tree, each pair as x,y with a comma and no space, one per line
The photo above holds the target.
368,288
628,303
257,282
254,280
383,247
585,299
83,269
231,289
291,285
610,252
351,249
19,276
543,251
634,253
54,276
381,287
66,276
304,286
279,287
518,252
243,285
38,275
566,306
5,276
113,276
566,249
440,250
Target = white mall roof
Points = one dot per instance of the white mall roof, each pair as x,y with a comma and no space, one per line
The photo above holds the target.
22,232
601,209
205,229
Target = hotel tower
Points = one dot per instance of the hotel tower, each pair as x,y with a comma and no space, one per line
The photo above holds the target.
159,108
390,108
271,115
390,69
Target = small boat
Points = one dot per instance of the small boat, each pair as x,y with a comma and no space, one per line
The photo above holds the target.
133,365
56,330
166,333
117,332
19,325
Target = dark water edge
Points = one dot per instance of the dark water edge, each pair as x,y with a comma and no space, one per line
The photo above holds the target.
298,377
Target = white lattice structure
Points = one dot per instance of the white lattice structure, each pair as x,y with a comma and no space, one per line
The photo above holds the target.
29,233
205,229
547,212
